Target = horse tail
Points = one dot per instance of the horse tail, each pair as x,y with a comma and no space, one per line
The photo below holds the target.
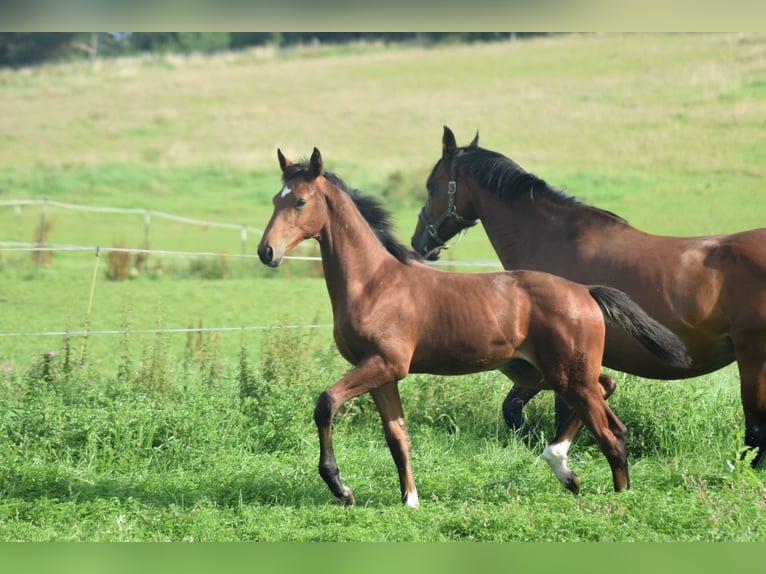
622,311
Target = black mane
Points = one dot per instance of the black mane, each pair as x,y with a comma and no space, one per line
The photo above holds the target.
508,180
371,209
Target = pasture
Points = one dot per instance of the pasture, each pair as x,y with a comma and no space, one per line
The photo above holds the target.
208,435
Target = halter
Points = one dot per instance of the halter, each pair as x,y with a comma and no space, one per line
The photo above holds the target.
433,228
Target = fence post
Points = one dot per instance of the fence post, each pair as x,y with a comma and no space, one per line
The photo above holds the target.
147,224
41,233
243,238
90,305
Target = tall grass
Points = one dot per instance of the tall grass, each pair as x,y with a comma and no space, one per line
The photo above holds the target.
208,446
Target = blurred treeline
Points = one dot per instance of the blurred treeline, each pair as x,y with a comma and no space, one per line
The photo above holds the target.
27,49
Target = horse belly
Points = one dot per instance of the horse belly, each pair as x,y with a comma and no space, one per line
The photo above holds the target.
623,353
461,357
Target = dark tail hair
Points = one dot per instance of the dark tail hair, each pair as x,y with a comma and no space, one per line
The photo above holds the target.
622,311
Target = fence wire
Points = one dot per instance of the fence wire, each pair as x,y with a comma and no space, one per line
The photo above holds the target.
21,247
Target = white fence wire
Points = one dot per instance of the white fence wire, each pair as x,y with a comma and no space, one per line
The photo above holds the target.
147,213
20,247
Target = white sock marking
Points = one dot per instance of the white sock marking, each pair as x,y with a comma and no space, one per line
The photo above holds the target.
411,499
556,457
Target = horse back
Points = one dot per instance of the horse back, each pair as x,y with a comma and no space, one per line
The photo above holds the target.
747,249
741,257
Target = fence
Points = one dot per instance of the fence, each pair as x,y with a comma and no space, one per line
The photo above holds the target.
147,214
41,247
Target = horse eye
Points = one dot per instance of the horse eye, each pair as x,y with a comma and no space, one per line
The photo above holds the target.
300,202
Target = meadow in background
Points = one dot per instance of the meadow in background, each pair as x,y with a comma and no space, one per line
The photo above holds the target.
209,435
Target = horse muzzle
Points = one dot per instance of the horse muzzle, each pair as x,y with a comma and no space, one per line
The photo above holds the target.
429,249
426,242
267,255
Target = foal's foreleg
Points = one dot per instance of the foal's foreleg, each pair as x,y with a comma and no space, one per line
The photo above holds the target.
367,375
324,412
391,414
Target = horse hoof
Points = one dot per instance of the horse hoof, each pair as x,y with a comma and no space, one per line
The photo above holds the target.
347,497
573,484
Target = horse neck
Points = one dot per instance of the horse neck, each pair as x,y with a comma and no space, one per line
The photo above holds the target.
538,231
351,253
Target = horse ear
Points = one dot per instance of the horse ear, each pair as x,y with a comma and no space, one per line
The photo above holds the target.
475,141
284,163
315,164
448,143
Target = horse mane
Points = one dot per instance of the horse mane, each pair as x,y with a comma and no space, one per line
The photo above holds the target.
509,180
370,208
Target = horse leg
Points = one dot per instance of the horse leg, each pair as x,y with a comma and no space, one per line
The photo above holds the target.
526,382
365,376
751,360
555,454
389,406
619,431
607,429
564,413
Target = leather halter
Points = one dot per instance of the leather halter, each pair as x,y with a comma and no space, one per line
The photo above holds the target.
433,228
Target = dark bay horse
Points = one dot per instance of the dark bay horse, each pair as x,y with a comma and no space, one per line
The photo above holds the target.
710,291
394,314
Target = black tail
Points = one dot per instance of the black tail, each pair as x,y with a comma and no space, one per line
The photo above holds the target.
622,311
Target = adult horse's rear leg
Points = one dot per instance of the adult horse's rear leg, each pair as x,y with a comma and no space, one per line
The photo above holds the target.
751,360
525,377
389,406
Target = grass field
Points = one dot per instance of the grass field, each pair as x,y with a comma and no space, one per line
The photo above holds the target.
178,436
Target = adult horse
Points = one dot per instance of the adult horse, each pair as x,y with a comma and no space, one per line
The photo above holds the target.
710,291
465,323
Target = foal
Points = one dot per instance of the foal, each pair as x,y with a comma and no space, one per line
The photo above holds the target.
394,315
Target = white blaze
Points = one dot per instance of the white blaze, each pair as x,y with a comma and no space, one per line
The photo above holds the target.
285,191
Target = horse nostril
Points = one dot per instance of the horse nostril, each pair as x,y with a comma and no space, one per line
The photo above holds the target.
266,254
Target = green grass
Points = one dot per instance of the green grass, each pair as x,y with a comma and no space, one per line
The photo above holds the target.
210,437
165,451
